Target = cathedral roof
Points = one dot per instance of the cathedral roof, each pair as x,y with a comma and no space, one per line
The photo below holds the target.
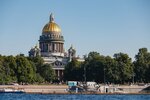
51,26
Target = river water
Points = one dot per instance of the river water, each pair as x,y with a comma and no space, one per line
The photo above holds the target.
13,96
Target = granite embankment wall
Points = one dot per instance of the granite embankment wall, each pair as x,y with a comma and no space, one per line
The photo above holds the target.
132,89
39,88
61,89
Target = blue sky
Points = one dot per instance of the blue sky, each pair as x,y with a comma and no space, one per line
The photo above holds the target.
105,26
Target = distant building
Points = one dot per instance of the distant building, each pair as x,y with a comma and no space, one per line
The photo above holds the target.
51,48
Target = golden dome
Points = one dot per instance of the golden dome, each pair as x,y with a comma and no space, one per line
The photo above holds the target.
51,26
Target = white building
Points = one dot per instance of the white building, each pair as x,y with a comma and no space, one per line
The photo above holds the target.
51,48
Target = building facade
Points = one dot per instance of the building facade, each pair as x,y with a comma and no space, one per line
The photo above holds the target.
51,48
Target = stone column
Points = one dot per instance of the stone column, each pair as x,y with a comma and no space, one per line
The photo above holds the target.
62,72
58,47
53,47
61,47
48,47
58,74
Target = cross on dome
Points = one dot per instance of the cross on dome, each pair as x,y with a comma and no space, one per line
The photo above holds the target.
51,17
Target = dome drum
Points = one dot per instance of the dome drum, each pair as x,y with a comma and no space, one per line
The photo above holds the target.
51,41
52,38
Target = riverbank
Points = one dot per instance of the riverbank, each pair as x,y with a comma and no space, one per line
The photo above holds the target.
45,89
61,89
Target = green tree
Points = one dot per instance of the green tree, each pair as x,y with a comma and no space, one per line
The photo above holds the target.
111,70
94,65
38,78
142,65
125,67
24,72
38,61
47,73
7,69
37,64
10,67
2,70
73,71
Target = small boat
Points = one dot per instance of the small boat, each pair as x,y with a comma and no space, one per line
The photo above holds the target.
11,90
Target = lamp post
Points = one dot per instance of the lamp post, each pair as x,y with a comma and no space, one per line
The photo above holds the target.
85,56
85,85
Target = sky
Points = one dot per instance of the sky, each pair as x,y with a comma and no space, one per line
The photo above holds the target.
105,26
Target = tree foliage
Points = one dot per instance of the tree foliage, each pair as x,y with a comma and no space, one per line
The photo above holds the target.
142,65
124,66
73,71
111,70
119,69
47,72
96,67
23,69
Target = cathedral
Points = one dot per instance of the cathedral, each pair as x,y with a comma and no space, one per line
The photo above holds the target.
51,48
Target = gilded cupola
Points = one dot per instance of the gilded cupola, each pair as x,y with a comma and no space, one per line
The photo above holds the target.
51,27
